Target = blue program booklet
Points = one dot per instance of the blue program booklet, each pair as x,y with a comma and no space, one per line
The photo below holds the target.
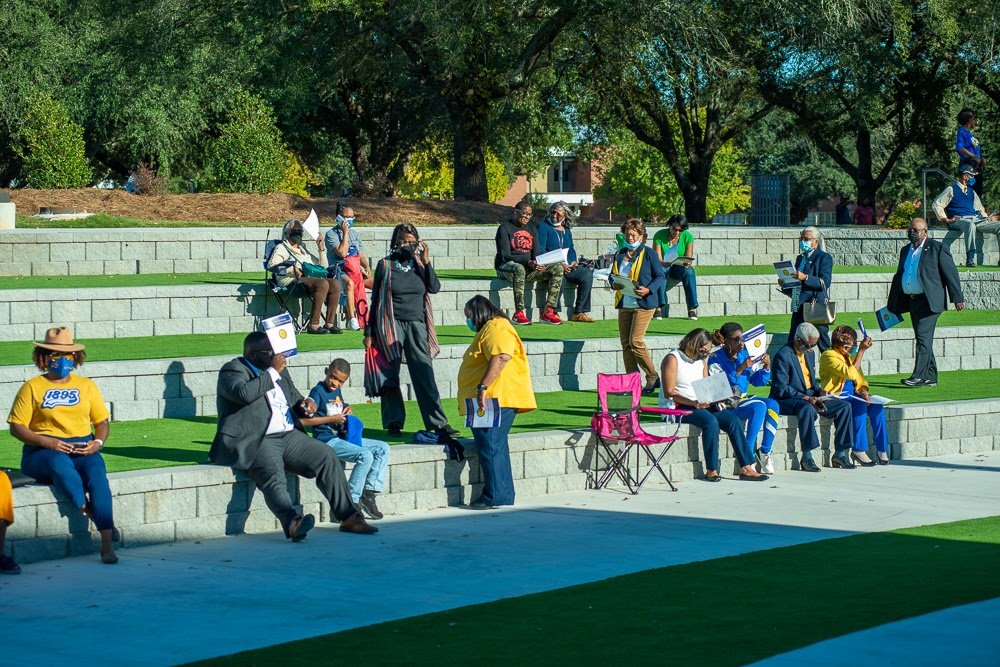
886,319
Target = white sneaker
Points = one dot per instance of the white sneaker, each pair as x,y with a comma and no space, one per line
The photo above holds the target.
764,462
353,324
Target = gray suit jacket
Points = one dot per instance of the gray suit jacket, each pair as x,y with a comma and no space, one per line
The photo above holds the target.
937,275
244,412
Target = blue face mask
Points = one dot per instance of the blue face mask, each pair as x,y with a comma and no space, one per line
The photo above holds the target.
854,350
468,323
61,366
633,246
805,246
341,219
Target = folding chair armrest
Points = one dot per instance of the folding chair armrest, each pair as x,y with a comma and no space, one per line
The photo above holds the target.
671,412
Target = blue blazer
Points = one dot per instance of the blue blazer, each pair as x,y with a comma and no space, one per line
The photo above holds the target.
818,268
787,381
550,239
651,275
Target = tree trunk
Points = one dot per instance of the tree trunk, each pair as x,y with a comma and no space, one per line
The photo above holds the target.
696,191
864,177
469,150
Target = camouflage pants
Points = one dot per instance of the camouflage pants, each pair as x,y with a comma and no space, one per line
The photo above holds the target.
517,275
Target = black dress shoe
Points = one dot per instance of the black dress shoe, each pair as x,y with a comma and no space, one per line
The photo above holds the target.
317,330
300,526
808,465
334,328
480,505
395,429
841,460
448,429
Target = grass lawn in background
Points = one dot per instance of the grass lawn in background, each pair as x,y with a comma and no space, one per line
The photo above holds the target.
154,443
256,277
712,613
15,353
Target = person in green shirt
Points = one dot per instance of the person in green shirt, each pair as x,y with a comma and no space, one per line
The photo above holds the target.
671,242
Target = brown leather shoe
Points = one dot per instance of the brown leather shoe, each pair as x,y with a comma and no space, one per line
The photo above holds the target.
581,317
357,524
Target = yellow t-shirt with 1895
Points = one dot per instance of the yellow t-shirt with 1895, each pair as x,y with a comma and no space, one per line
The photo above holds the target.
59,410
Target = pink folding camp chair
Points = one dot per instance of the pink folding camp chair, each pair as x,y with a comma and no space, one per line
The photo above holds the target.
618,432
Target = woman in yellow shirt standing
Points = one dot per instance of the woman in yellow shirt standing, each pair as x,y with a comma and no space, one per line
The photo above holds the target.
840,373
63,422
494,366
7,564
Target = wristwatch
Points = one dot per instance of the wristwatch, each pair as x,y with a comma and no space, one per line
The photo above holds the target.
480,387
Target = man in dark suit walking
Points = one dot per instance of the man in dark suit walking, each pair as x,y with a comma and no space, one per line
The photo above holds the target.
794,387
259,432
814,270
926,270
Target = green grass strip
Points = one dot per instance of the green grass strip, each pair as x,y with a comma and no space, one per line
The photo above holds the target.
154,443
712,613
172,279
16,353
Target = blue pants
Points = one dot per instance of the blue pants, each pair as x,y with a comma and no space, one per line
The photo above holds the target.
75,476
836,409
862,411
685,276
710,424
759,413
494,459
370,458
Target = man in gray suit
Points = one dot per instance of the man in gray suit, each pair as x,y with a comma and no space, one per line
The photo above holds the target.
259,432
926,269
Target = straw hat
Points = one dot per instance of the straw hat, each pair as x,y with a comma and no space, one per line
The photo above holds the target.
59,339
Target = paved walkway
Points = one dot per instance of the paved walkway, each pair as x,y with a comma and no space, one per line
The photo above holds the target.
181,602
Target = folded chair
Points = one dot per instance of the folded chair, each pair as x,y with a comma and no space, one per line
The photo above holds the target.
619,433
285,296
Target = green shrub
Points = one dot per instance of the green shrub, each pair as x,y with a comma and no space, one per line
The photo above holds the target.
51,146
902,214
430,173
249,154
296,177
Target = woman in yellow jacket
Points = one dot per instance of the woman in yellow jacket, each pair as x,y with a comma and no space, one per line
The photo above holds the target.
7,564
840,372
494,366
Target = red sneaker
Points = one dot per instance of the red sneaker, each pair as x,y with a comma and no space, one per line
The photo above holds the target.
520,318
550,317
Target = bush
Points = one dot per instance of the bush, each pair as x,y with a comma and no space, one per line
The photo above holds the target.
430,173
148,181
902,214
51,146
249,154
296,177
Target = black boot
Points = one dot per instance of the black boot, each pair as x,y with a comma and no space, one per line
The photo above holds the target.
367,504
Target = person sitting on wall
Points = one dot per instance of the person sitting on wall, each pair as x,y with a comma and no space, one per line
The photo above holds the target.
344,251
554,233
260,432
515,262
960,207
342,431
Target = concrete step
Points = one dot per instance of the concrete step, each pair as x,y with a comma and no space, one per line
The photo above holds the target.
60,252
149,389
204,501
106,312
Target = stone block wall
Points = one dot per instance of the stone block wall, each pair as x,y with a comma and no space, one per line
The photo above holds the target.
200,502
194,250
186,387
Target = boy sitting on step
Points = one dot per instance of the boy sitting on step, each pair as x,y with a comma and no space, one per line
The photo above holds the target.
334,424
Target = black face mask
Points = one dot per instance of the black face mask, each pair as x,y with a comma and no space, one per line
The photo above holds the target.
913,235
260,358
405,252
295,237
